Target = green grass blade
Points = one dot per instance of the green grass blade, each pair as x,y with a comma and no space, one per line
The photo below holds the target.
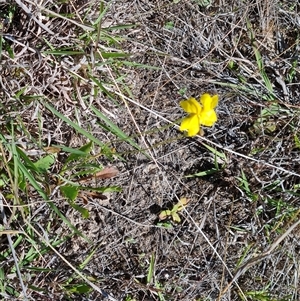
215,152
260,63
116,130
63,52
20,166
79,129
151,269
1,47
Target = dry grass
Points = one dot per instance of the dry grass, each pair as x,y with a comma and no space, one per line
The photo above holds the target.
113,73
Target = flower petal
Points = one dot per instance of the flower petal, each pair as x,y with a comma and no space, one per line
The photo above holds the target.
206,101
208,118
215,100
191,106
190,124
209,102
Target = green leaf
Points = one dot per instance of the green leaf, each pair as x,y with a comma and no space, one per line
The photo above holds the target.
169,25
266,121
121,26
182,91
215,152
32,181
297,141
176,217
164,214
102,189
69,150
102,87
271,110
204,173
20,92
84,212
175,208
107,55
63,52
116,130
84,151
139,65
22,182
151,269
0,52
78,288
86,170
3,182
27,162
181,204
77,127
70,192
45,163
166,225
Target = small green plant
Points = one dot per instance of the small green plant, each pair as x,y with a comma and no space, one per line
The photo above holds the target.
151,283
203,3
297,141
173,213
292,72
244,184
182,91
81,168
151,279
264,295
169,25
267,122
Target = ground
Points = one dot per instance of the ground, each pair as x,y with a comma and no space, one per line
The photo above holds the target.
92,156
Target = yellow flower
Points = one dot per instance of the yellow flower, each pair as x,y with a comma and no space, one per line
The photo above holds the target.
199,113
191,123
208,115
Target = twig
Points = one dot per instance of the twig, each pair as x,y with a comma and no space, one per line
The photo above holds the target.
27,10
50,12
